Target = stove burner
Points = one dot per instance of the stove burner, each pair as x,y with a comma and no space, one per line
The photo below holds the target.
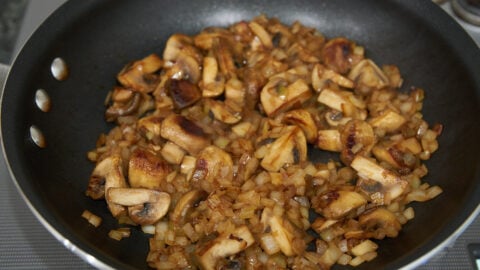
468,10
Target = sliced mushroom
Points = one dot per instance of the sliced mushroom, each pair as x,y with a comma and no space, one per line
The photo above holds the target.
289,148
320,224
204,40
304,120
223,246
123,109
183,93
367,77
172,153
357,138
184,58
186,202
213,169
262,34
321,76
145,206
109,169
213,83
343,101
279,96
283,234
224,112
150,126
411,144
336,118
147,170
392,185
138,75
235,92
222,50
340,54
179,44
380,218
329,139
393,74
186,68
335,204
388,120
184,133
402,160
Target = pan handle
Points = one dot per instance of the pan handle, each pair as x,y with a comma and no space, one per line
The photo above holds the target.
3,74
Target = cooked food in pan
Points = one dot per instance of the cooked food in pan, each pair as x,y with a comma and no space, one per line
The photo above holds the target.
222,150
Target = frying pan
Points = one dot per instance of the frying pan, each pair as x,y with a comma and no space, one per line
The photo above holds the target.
97,38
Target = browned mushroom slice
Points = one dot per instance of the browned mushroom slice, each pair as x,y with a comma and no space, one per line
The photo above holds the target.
304,120
179,44
146,169
262,34
222,50
380,222
223,112
367,77
289,148
335,204
187,68
321,76
183,57
279,96
340,54
392,185
183,93
225,245
138,75
109,169
122,109
145,206
184,133
329,139
388,120
213,169
336,118
235,92
357,138
150,126
204,40
186,202
213,83
393,74
402,160
343,101
287,236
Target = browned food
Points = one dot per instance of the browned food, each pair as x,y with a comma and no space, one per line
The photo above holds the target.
211,150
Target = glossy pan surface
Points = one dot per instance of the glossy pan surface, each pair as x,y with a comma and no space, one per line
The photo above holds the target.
97,38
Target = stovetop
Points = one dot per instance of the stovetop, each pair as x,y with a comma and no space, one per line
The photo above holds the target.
26,244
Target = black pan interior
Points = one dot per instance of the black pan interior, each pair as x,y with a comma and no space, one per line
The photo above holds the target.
97,38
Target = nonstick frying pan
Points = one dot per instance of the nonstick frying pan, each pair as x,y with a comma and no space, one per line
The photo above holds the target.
97,38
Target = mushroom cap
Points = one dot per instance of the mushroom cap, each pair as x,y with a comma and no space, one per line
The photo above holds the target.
184,133
145,206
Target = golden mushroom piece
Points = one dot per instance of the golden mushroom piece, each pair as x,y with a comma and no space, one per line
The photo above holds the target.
147,170
107,174
224,245
184,133
145,206
289,148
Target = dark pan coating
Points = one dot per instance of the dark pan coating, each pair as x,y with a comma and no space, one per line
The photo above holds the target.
97,38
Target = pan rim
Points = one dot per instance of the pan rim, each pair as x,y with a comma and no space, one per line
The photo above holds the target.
101,264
